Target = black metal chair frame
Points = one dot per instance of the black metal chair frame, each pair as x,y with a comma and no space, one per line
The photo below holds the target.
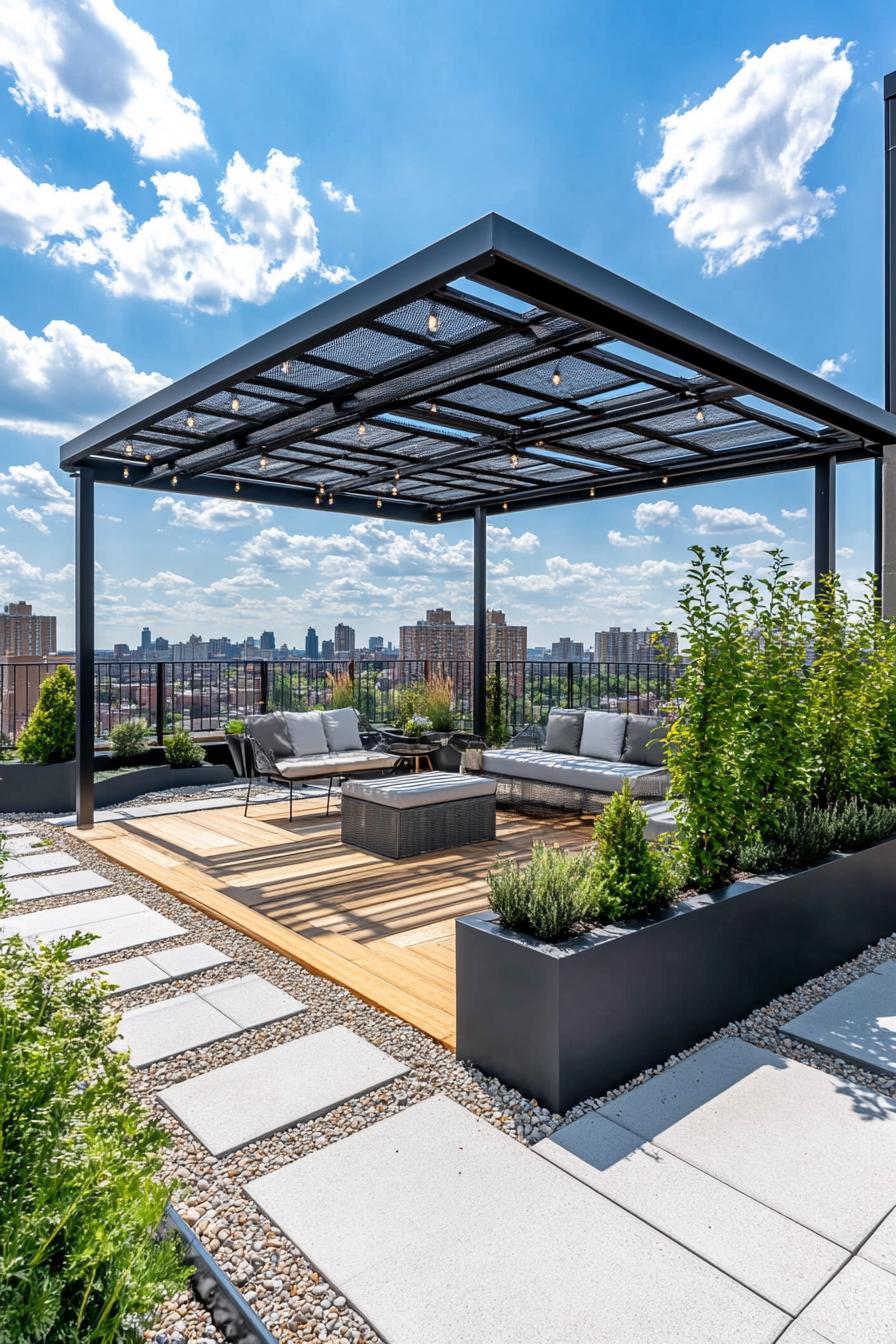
261,766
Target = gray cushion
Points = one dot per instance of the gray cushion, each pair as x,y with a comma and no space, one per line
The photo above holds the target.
576,772
645,740
408,791
564,730
306,733
270,732
334,763
341,728
602,735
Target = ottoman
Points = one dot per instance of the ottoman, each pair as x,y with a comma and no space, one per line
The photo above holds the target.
414,814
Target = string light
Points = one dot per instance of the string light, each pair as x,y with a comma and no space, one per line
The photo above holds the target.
329,499
147,457
379,503
514,460
592,492
362,429
191,420
284,367
504,506
438,515
236,487
317,499
398,475
395,490
699,415
664,480
234,403
126,473
432,322
174,480
557,376
263,462
129,448
539,443
433,408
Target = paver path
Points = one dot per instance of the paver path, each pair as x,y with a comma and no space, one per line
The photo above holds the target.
155,968
118,921
858,1022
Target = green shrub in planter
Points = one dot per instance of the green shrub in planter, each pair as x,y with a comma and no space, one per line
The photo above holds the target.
628,874
546,897
79,1163
49,734
803,834
181,752
128,739
235,726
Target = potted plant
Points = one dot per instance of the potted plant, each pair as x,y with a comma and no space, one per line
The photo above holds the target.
235,737
417,726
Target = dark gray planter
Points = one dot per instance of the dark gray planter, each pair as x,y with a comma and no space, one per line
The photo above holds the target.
448,757
565,1021
51,788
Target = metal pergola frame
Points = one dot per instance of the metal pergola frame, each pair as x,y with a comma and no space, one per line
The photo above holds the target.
492,372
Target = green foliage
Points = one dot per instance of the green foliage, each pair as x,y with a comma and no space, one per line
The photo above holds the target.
235,726
79,1164
417,725
181,751
495,699
7,747
128,739
546,897
628,874
342,690
803,833
49,734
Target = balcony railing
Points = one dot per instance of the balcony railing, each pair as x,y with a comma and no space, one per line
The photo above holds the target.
203,696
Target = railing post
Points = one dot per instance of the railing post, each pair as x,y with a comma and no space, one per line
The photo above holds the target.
160,702
263,687
569,704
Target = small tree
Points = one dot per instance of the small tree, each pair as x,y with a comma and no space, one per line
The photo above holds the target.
628,874
181,752
49,734
128,739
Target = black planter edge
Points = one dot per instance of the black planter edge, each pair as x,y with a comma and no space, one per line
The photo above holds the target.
229,1310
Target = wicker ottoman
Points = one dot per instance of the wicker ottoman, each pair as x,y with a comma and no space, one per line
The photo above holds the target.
415,814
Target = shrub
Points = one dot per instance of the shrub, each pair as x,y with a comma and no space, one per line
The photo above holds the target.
495,728
181,751
342,690
235,726
628,875
7,747
803,834
79,1164
49,734
128,739
546,897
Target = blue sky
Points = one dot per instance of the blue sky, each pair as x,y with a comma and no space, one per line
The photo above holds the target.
425,117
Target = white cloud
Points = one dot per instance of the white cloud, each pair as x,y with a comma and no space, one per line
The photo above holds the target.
830,368
212,515
13,565
845,552
794,514
730,175
63,380
29,516
241,581
657,513
502,539
182,254
339,197
621,539
751,553
711,520
84,61
654,569
166,580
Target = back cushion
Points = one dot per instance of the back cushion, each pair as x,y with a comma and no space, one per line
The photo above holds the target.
564,731
270,732
341,728
306,733
645,740
602,735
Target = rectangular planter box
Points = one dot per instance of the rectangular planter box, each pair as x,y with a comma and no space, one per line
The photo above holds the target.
51,788
565,1021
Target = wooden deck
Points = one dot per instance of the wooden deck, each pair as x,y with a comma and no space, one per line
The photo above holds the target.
382,927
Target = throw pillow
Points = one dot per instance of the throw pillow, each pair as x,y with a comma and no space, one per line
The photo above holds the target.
645,740
269,731
602,735
564,731
306,733
341,728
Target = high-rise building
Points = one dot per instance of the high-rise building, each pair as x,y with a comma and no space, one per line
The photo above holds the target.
328,650
344,641
23,633
161,644
146,639
267,640
630,646
439,638
312,643
568,650
120,650
376,643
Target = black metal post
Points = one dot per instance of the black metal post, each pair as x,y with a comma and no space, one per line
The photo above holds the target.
160,702
84,647
480,633
884,488
825,518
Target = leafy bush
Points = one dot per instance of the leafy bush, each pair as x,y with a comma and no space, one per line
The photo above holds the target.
804,833
342,690
235,726
7,747
79,1164
546,897
49,734
128,739
628,875
181,751
417,725
495,727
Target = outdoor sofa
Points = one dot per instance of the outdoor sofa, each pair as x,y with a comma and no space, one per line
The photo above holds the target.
319,744
582,758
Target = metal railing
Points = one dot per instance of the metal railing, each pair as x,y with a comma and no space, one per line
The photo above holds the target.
203,696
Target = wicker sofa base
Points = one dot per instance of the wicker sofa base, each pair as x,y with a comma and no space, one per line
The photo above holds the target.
402,832
532,793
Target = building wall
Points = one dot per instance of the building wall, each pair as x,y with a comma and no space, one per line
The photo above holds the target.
23,634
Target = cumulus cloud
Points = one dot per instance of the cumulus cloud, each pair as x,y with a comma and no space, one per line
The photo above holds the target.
181,254
845,552
830,368
710,520
62,380
339,197
31,517
794,514
654,569
622,539
502,539
84,61
14,566
731,173
657,513
211,515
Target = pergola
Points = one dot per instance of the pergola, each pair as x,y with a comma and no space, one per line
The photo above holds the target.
492,372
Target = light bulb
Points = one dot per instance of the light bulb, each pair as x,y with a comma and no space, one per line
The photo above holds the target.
699,415
504,506
539,443
317,499
329,499
234,403
398,475
174,480
557,377
129,448
320,487
592,492
439,516
514,460
433,407
263,462
284,367
432,322
190,420
395,489
664,480
362,429
236,487
147,457
126,473
379,503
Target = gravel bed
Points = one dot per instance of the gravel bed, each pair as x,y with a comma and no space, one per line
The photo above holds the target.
288,1294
